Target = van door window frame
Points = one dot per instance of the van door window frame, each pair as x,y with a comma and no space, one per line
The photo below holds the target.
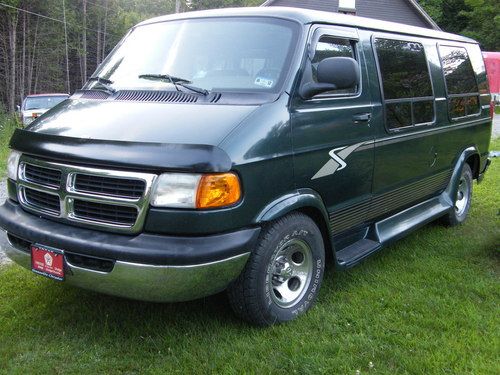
413,126
462,95
348,33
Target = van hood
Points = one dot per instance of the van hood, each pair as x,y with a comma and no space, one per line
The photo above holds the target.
133,135
142,122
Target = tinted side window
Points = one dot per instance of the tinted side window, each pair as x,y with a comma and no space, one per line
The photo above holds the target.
458,71
404,69
328,46
461,84
406,83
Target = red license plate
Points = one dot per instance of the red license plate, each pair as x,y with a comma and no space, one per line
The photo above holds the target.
47,261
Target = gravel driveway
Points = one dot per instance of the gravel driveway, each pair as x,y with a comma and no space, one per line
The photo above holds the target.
496,126
3,196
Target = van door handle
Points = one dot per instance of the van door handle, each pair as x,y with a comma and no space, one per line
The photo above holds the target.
361,117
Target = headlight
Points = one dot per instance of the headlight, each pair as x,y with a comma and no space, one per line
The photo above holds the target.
13,164
184,190
177,190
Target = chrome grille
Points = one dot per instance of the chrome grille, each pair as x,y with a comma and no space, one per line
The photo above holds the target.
92,197
41,175
117,187
105,213
44,201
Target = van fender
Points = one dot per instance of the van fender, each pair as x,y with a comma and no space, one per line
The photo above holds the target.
450,193
306,200
300,198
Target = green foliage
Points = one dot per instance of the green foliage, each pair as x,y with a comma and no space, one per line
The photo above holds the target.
484,23
12,3
215,4
40,53
478,19
426,305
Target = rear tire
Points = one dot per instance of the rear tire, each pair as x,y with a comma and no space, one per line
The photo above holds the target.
461,206
283,275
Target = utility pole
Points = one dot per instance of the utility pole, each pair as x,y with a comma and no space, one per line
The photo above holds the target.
177,6
66,45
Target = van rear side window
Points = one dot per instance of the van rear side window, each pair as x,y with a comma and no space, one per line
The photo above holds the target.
461,84
406,83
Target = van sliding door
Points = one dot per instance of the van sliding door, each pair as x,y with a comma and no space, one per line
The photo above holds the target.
407,162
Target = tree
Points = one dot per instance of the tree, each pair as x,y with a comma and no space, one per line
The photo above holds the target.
478,19
59,43
215,4
483,22
10,21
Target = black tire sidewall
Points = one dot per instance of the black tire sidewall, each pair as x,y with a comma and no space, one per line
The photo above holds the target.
303,229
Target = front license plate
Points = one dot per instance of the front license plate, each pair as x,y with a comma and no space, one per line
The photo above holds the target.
47,261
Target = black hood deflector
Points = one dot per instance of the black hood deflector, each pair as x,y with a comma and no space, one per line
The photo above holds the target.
130,155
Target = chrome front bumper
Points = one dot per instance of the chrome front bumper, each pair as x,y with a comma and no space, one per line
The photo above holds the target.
146,282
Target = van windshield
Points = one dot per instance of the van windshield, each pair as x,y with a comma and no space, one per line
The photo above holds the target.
242,54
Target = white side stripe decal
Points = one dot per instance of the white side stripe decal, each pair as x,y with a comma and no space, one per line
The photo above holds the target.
337,161
334,156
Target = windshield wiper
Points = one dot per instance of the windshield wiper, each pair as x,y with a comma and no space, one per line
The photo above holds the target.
104,82
175,81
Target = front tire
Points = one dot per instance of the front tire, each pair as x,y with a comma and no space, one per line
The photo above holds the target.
461,206
283,275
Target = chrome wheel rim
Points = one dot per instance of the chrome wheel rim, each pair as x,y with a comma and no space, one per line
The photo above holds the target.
291,272
462,197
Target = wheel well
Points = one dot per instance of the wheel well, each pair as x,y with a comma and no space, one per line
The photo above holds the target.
473,162
318,218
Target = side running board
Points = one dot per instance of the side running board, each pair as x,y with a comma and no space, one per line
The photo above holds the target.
353,254
393,228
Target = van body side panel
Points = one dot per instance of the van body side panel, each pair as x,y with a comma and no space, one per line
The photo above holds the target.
455,138
333,154
407,166
459,134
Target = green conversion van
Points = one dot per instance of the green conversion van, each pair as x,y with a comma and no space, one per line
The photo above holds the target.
239,149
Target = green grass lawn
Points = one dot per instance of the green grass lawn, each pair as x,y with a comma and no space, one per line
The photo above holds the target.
429,304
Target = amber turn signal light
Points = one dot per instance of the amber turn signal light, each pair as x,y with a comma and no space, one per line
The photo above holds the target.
218,190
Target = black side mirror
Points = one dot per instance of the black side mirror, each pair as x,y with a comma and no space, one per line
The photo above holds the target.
334,73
